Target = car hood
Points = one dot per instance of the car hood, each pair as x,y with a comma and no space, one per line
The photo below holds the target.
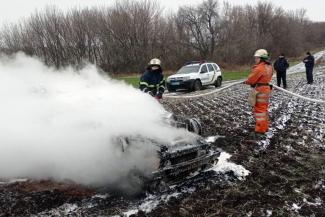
180,76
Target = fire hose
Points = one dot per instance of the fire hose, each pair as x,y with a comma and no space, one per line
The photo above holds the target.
300,96
205,94
320,101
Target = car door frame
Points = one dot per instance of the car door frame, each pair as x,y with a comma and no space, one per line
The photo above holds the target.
211,74
204,77
217,69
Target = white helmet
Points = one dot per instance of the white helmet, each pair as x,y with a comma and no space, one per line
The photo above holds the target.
261,53
155,62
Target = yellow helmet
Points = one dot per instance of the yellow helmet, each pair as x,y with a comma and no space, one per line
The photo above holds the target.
155,62
261,53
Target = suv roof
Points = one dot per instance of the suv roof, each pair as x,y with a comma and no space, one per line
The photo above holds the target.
197,62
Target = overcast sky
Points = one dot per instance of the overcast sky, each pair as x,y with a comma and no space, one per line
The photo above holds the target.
13,10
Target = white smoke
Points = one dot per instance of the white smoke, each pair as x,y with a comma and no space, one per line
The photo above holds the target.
62,124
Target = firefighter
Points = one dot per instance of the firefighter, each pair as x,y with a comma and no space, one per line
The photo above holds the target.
259,79
309,61
152,81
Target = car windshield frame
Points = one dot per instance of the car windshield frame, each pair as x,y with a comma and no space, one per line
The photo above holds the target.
188,69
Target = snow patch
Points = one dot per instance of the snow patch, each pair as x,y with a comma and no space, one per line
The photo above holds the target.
318,202
70,208
264,144
66,209
320,184
101,196
128,213
212,139
224,166
295,207
150,203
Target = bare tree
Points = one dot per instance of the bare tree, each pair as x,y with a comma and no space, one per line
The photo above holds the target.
125,36
198,27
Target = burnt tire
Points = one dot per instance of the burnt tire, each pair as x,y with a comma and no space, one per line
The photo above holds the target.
218,82
193,125
197,85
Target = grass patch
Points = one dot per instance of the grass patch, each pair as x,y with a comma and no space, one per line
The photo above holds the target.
133,80
294,62
235,75
227,76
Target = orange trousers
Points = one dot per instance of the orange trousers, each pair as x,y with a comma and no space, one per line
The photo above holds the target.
261,111
261,117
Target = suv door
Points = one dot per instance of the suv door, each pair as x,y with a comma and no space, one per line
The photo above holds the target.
204,77
211,73
217,69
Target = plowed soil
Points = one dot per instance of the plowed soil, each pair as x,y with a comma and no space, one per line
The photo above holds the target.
287,165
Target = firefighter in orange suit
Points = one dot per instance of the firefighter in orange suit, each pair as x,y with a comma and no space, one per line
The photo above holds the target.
259,79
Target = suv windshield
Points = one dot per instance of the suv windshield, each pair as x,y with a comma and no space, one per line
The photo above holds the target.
188,69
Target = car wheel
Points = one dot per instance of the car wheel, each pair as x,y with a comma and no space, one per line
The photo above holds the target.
197,85
193,125
218,82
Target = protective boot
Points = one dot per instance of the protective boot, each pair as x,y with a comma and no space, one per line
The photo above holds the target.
255,137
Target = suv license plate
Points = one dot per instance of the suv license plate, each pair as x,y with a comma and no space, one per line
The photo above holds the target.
174,83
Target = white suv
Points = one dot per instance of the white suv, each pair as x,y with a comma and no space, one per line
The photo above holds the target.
194,75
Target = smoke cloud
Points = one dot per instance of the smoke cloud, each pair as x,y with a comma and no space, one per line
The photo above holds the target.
64,124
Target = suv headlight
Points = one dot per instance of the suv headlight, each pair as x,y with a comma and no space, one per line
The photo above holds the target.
186,78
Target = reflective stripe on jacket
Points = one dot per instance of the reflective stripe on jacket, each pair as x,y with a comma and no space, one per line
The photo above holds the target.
152,81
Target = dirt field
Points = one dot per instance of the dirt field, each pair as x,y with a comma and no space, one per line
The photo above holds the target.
287,167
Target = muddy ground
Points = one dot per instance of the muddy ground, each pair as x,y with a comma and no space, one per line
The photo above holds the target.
287,166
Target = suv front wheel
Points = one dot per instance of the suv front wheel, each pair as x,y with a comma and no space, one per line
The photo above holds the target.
218,82
197,85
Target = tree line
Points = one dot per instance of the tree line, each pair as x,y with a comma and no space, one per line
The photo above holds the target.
125,36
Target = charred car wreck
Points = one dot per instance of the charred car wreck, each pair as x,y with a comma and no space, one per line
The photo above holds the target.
178,159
